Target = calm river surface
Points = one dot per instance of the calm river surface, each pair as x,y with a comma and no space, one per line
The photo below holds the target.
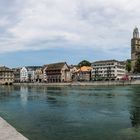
73,113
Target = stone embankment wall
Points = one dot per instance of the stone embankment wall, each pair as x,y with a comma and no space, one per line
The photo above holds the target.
7,132
97,83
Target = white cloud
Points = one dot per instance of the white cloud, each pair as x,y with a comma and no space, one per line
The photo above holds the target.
98,24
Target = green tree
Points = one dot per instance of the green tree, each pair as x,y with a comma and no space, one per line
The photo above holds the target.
128,65
137,66
84,63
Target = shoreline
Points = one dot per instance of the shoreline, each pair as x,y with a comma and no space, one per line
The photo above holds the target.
99,83
8,132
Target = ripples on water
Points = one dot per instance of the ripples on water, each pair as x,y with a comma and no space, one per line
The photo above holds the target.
73,113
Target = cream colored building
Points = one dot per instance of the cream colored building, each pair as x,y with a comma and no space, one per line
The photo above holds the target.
6,75
16,74
73,72
39,75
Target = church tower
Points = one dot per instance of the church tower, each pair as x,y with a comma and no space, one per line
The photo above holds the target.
135,47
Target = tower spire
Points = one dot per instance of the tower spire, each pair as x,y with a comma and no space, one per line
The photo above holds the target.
136,33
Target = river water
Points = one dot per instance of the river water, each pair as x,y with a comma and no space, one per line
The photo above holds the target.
73,113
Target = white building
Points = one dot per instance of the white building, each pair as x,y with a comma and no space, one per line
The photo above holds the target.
27,74
23,75
108,70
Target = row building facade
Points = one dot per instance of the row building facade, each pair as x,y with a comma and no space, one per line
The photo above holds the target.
108,70
6,75
57,72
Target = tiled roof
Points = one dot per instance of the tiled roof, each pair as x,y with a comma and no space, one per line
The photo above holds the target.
33,67
105,61
56,66
73,66
85,68
3,68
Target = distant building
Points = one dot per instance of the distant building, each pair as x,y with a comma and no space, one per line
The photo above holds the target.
135,47
108,70
57,72
16,72
84,73
73,72
24,75
27,74
39,75
44,67
6,75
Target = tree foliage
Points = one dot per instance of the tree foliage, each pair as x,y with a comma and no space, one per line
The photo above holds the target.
128,65
84,63
137,66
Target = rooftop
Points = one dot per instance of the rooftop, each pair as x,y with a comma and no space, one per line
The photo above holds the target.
56,66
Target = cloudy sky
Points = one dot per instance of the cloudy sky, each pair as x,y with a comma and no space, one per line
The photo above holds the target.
36,32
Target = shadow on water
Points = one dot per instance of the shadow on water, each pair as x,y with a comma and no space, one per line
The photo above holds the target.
133,133
135,109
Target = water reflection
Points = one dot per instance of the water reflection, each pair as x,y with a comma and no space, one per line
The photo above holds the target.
48,94
24,94
5,92
135,116
135,110
51,99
